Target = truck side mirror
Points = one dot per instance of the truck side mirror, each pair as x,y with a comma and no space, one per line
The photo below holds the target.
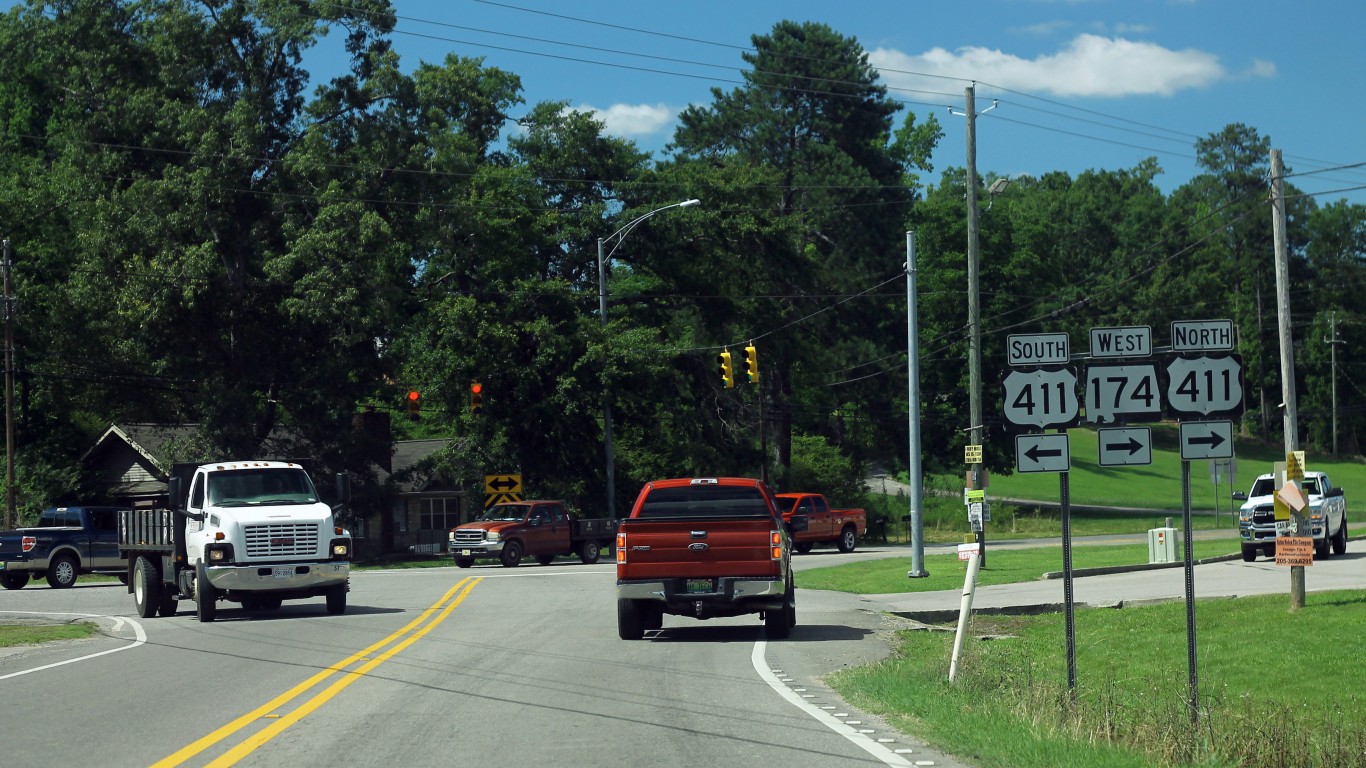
343,488
175,497
797,524
1334,491
1239,496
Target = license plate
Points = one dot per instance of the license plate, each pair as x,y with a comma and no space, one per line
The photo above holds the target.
696,586
465,552
284,572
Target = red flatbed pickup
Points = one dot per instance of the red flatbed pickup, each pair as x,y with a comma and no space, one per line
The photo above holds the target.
703,548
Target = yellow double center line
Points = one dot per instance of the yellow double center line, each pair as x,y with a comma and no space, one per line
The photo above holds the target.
406,636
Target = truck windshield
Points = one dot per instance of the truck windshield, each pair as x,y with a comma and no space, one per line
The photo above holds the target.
1263,487
249,487
705,501
503,512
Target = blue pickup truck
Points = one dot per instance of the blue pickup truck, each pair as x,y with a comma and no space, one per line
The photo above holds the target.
68,541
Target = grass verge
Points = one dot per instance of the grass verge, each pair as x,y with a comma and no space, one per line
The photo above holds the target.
1005,566
1275,688
33,634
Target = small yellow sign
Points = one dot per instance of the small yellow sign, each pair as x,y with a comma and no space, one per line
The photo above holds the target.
1294,465
971,496
1294,550
972,454
503,484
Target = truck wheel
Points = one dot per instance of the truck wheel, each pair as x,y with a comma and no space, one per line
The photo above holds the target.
464,562
146,587
336,599
14,579
1340,540
205,596
269,603
589,552
848,539
778,624
630,624
545,559
61,572
803,547
511,554
1249,553
1321,550
170,603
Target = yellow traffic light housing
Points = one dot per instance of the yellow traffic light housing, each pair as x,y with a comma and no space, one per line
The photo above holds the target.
476,397
414,405
727,372
751,358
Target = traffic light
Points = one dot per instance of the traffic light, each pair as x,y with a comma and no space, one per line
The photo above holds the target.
414,406
727,373
476,397
751,358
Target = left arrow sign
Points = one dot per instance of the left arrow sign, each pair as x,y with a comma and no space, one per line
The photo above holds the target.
1042,453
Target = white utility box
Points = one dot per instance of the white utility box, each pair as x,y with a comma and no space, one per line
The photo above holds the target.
1162,545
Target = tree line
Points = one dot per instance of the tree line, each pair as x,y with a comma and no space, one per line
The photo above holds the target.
199,238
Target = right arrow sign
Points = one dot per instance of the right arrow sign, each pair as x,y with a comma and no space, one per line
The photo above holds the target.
1131,446
1206,440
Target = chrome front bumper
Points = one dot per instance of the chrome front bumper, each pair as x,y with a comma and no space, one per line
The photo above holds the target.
278,576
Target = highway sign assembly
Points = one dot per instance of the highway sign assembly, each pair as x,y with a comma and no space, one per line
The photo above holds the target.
1043,453
1125,447
1206,440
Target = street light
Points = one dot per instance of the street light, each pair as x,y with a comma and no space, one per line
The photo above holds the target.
619,235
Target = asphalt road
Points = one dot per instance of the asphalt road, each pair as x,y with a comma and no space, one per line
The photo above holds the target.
489,666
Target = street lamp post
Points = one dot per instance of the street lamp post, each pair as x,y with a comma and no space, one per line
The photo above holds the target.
619,235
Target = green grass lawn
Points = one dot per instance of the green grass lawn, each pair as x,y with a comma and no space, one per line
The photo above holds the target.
1005,566
1275,687
33,634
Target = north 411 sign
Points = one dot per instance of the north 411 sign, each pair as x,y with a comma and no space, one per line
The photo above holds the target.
1205,385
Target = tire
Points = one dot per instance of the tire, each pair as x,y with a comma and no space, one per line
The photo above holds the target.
848,539
545,559
630,624
170,603
123,578
464,562
1340,540
511,554
61,572
803,547
205,596
250,604
336,599
778,624
589,552
13,579
1249,553
1321,549
270,603
147,587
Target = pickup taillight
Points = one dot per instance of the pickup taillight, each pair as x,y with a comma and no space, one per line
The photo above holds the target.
28,543
621,548
775,538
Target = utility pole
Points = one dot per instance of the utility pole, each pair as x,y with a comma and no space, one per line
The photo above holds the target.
913,407
1289,420
11,520
1333,356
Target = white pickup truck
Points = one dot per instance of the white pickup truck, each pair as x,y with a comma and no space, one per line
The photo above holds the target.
1327,515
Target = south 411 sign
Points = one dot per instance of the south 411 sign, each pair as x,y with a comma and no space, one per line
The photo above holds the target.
1045,397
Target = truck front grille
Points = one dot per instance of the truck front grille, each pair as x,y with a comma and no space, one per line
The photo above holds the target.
469,537
282,540
1264,514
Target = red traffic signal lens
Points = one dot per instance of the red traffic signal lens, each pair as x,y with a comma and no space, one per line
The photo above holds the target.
414,396
476,388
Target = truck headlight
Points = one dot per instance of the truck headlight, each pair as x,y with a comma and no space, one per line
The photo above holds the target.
341,548
218,553
491,536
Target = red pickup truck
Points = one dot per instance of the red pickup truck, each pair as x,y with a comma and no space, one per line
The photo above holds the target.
843,527
704,548
541,529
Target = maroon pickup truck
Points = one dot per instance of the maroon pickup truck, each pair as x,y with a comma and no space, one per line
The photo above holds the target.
540,529
704,548
842,527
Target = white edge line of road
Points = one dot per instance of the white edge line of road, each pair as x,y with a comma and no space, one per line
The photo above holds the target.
861,740
118,622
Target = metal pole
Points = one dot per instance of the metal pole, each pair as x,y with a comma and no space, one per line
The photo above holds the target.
974,304
1069,612
11,518
1194,701
913,409
606,391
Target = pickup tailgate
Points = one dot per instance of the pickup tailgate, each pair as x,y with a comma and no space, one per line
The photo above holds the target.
697,547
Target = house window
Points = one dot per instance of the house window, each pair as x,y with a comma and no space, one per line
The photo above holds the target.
440,514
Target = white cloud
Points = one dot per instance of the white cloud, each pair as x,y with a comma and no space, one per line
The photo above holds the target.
1091,65
631,120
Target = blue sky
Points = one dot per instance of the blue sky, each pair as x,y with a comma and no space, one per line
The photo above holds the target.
1082,84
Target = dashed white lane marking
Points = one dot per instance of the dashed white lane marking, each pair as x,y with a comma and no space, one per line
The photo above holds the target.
118,623
861,740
